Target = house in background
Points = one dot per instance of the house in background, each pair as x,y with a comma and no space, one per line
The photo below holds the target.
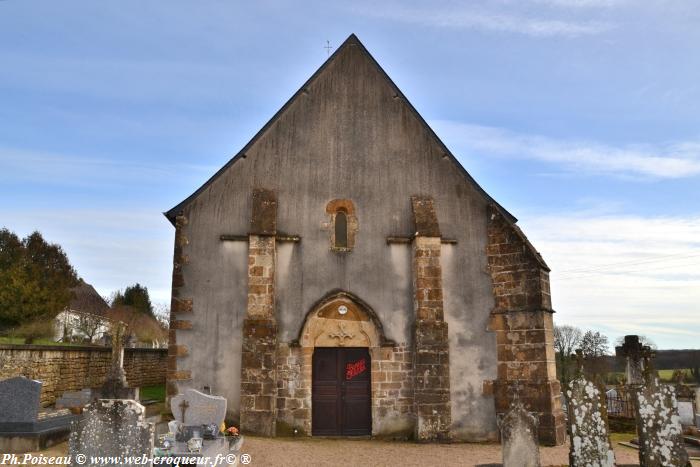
85,319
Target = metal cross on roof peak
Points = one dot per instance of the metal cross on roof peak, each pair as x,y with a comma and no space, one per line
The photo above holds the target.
328,47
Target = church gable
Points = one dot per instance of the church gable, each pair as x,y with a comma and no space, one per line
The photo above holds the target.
329,95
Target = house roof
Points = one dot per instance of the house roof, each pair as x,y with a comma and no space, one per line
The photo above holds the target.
87,300
351,40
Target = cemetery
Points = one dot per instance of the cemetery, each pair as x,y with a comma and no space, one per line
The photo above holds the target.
109,420
341,290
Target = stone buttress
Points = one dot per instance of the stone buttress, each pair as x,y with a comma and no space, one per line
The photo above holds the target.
179,307
259,351
522,320
431,362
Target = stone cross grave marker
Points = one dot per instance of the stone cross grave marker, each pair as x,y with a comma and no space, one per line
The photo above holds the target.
590,443
196,408
658,423
519,441
114,428
633,351
115,385
19,400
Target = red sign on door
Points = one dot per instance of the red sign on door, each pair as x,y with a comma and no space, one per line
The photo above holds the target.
355,368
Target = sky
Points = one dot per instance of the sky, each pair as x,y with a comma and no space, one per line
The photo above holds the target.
581,117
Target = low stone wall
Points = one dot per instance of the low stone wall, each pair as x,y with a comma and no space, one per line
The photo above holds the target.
64,368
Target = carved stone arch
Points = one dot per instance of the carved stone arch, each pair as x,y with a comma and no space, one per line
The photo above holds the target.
328,324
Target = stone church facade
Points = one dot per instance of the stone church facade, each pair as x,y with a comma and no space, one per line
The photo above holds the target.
344,275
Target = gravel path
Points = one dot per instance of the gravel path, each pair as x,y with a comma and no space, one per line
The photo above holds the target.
334,452
309,452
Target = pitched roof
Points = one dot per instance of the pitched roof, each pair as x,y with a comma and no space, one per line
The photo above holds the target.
351,40
87,300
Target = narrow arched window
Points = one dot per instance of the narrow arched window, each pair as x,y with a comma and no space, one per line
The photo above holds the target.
342,225
341,229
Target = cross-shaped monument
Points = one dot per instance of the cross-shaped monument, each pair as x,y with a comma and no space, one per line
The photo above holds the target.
634,353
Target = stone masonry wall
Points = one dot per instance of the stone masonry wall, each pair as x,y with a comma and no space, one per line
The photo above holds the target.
431,358
259,349
73,368
180,307
522,321
294,367
393,414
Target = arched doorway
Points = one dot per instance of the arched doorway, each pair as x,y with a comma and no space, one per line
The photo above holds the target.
338,334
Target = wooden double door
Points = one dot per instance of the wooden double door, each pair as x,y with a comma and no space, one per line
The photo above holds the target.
341,392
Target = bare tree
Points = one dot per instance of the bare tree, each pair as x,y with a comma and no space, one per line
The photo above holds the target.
89,325
142,328
567,339
161,311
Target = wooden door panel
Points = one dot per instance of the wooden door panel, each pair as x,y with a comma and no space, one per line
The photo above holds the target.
325,408
341,392
356,386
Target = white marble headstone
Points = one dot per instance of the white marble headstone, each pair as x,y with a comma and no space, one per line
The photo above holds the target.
685,411
198,408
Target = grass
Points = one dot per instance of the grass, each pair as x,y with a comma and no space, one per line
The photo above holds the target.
664,375
622,437
20,340
153,392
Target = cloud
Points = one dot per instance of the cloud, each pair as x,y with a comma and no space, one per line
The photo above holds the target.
671,161
70,170
624,274
485,19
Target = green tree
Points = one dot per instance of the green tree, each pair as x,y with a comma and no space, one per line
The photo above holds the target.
135,296
594,344
35,279
595,347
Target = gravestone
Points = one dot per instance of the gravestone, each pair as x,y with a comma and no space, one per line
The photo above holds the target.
196,408
590,442
686,412
115,385
658,423
519,437
19,400
114,428
23,425
195,430
75,400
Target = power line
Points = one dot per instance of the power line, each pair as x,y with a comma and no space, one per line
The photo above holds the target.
678,256
625,271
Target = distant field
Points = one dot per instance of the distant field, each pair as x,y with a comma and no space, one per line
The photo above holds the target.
664,375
